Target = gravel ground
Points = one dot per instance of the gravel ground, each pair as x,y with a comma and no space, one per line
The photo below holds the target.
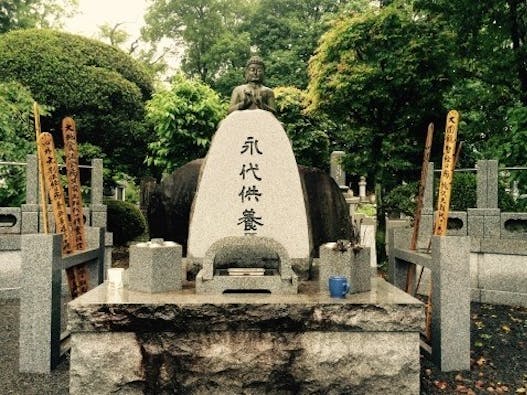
12,382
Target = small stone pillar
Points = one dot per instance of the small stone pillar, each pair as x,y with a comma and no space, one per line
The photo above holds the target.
30,210
155,266
97,208
485,220
362,189
451,302
354,264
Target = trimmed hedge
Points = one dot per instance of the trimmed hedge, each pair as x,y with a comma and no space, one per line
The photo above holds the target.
125,220
101,87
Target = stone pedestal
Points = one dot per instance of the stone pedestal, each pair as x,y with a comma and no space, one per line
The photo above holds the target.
182,342
354,264
155,266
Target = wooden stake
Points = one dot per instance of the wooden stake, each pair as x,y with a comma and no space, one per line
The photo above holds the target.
410,274
41,182
69,134
56,194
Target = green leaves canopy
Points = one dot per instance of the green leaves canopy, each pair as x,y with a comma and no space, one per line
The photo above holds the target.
381,72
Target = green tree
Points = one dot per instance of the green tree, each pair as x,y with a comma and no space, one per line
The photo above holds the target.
147,53
382,72
309,133
102,88
208,31
286,33
489,79
23,14
184,119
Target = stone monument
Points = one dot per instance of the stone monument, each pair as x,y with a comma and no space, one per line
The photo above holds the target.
249,186
248,223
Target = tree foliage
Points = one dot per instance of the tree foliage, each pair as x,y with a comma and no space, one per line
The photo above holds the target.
219,35
184,119
17,136
214,47
286,34
24,14
309,133
382,72
101,87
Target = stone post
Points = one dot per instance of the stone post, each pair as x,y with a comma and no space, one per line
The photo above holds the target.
40,302
451,302
336,170
484,221
30,210
97,208
155,266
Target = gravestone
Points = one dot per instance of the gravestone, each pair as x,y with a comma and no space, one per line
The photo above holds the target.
250,186
336,170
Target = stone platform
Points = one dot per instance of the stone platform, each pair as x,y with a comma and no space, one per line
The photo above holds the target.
182,342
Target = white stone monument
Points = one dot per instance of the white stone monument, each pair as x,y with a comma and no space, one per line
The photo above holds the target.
250,186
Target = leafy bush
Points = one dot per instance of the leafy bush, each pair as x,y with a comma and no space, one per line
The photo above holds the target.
17,136
463,192
125,220
184,119
101,87
401,200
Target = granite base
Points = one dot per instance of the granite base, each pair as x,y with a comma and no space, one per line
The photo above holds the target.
181,342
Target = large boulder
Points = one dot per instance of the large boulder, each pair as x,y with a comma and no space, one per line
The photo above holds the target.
170,203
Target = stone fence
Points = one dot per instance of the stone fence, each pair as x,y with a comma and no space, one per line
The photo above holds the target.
17,221
498,240
42,295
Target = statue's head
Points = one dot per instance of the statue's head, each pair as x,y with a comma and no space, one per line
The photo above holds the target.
254,70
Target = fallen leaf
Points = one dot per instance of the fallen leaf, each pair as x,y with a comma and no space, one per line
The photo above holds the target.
481,361
479,384
428,372
479,324
440,384
458,377
521,390
506,328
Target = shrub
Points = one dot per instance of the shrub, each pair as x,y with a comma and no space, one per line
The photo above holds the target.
101,87
401,200
125,220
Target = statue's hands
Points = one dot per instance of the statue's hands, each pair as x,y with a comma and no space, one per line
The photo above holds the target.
247,100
